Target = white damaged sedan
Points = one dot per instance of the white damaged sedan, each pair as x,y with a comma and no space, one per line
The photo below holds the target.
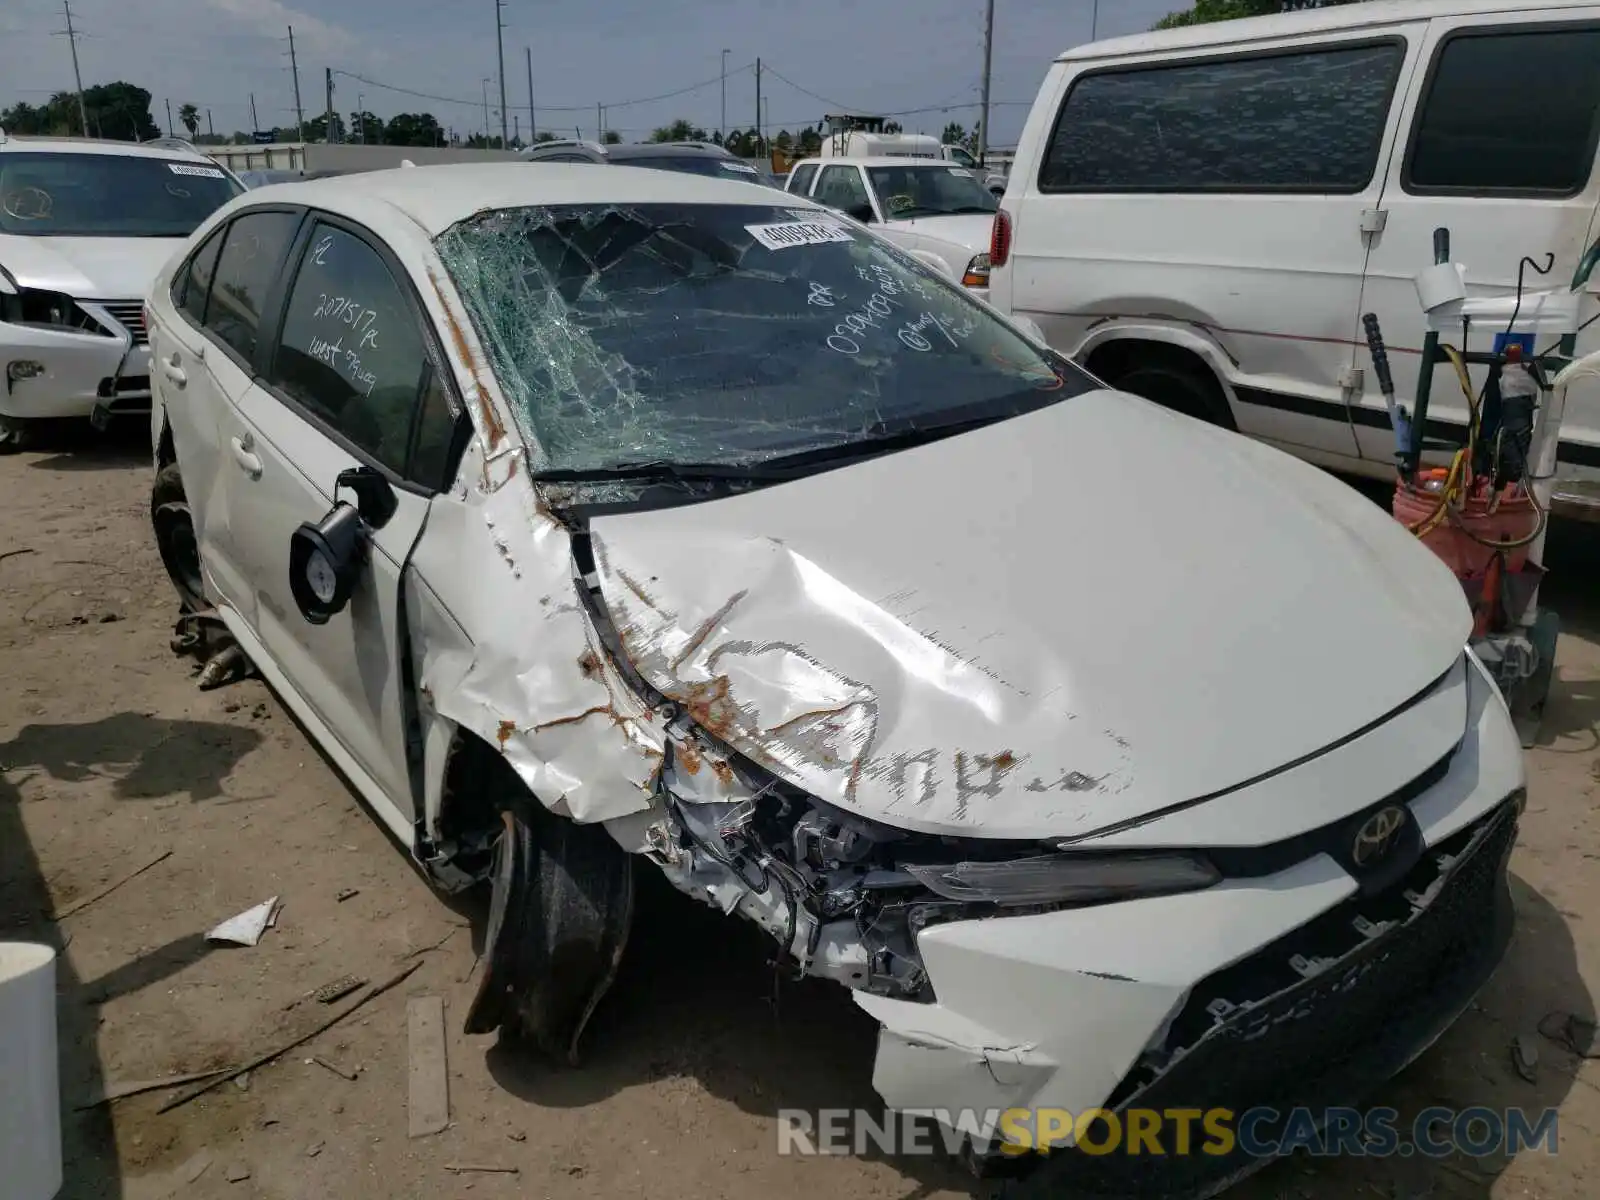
1108,758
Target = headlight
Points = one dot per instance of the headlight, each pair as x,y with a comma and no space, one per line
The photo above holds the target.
977,272
1066,878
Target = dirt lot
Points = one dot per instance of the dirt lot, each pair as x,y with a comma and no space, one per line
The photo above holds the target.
109,755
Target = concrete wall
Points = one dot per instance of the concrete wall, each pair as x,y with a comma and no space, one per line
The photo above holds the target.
302,156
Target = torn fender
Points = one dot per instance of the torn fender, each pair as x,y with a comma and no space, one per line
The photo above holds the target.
504,650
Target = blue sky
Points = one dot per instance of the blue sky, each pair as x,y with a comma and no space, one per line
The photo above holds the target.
884,57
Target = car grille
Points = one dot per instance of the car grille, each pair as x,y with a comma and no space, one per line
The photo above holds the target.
130,315
1280,1031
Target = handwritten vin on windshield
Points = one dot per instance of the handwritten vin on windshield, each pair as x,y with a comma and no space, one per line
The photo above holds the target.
878,311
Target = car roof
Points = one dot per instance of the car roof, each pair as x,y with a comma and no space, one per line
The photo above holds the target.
165,150
1339,18
437,197
881,160
665,150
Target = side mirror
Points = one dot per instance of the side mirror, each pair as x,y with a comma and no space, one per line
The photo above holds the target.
861,212
326,559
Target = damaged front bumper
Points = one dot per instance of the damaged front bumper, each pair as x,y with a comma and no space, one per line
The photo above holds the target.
70,371
1286,990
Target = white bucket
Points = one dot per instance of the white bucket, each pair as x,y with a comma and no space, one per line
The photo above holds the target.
30,1098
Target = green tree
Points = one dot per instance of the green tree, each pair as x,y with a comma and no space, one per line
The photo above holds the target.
893,127
116,110
545,136
413,129
364,127
783,140
810,141
1206,11
611,138
680,131
317,129
189,118
955,134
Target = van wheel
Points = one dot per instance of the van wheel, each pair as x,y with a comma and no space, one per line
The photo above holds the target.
175,538
560,908
1184,389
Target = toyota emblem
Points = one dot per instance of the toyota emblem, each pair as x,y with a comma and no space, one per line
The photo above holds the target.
1377,835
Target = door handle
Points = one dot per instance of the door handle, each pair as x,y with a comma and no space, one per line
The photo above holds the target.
174,372
248,462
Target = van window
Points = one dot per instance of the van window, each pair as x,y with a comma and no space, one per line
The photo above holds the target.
1302,121
1468,136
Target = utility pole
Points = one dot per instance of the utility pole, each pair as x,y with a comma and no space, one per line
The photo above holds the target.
361,115
722,129
169,116
533,127
77,76
328,133
759,136
988,63
486,111
599,122
1094,21
500,57
210,128
516,128
299,113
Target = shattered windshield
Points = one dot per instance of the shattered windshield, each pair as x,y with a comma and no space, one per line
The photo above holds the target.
107,195
727,333
910,191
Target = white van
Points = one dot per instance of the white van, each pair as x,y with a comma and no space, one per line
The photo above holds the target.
1202,215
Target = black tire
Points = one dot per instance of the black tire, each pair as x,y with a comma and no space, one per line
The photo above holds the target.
1181,388
175,538
560,909
15,434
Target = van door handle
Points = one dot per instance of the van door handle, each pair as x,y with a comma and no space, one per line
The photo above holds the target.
174,372
248,462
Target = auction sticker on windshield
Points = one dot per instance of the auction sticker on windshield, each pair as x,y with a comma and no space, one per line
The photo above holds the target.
186,169
798,233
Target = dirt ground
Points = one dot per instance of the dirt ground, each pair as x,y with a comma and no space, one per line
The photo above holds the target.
109,755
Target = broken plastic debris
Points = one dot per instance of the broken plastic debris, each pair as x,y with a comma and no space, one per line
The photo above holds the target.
246,928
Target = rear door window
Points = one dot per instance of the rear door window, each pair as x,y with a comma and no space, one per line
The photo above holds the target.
192,287
252,252
351,353
1472,136
1304,121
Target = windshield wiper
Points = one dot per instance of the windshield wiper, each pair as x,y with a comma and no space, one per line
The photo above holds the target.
663,469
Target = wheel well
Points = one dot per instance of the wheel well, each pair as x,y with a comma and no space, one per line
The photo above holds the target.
1112,360
467,798
166,453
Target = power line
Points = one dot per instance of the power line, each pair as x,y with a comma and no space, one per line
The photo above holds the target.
583,108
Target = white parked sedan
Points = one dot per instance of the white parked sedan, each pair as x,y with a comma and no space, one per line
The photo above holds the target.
1108,758
84,227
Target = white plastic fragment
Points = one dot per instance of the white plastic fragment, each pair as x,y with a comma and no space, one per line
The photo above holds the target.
246,928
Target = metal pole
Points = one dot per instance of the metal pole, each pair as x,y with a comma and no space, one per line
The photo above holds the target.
500,57
299,113
210,128
988,65
532,126
72,40
1094,21
599,122
361,115
486,110
327,133
722,129
255,121
169,116
758,108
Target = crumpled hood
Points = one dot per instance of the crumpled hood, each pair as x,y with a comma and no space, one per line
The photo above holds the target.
108,268
968,230
1044,627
